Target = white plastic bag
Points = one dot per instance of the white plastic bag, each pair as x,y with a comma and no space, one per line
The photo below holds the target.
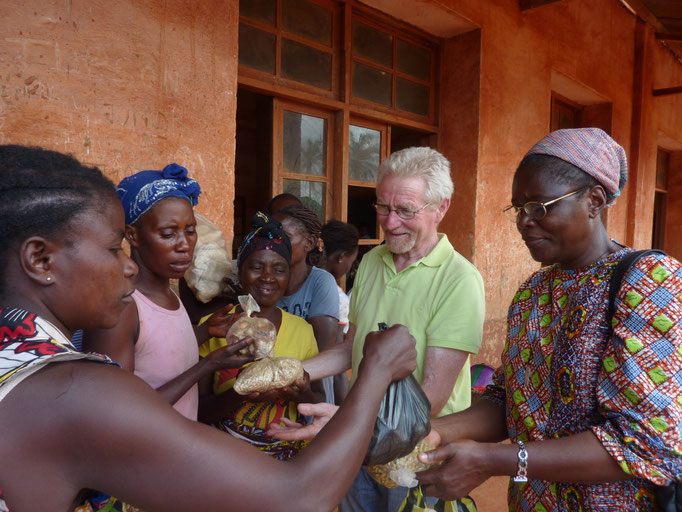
260,329
211,265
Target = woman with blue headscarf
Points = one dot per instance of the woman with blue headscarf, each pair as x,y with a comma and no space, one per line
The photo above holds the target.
154,338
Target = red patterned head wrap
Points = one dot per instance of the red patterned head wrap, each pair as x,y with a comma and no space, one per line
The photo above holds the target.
591,150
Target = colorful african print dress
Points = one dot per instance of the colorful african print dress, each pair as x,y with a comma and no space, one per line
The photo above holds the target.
564,372
27,344
250,420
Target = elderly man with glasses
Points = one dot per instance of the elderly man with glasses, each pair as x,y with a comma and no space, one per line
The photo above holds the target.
416,279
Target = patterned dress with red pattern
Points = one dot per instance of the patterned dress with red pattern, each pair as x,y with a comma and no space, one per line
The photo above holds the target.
27,344
564,371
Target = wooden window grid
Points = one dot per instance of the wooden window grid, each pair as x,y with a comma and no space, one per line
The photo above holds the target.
337,105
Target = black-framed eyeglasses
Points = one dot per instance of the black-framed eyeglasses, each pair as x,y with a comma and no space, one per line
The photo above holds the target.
403,213
535,210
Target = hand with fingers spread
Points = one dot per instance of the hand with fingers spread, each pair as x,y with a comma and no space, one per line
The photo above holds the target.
292,431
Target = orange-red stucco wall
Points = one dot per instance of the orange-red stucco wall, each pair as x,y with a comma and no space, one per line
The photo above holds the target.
126,85
667,72
519,53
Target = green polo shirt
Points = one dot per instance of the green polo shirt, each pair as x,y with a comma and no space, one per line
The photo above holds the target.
439,298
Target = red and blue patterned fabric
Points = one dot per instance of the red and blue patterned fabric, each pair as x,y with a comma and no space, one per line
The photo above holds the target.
565,371
27,343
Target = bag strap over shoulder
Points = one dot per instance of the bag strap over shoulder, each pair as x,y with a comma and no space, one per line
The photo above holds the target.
668,497
619,272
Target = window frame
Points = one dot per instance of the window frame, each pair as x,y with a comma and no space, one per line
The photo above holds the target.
278,80
279,173
338,106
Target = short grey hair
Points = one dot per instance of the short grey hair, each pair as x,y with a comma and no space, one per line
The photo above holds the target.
425,163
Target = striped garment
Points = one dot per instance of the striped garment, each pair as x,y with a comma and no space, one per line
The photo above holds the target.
563,372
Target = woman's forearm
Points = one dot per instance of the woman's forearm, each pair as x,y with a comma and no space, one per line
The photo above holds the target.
483,422
213,408
175,388
578,458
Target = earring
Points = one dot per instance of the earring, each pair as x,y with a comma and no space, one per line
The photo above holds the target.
48,279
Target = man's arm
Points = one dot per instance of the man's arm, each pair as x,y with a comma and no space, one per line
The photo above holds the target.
332,361
136,445
441,369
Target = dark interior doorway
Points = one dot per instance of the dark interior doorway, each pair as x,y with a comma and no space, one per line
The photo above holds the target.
253,157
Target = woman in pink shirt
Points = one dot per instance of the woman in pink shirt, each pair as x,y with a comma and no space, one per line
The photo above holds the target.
154,338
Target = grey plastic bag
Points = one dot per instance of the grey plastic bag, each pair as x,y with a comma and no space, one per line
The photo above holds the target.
404,419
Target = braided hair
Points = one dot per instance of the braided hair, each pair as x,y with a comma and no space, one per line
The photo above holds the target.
307,220
41,192
339,238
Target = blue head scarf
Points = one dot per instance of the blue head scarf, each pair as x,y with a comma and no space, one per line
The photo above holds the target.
139,192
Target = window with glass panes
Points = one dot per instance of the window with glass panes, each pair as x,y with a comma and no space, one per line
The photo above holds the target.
344,87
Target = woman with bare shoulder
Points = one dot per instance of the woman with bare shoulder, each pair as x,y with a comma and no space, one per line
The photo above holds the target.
73,421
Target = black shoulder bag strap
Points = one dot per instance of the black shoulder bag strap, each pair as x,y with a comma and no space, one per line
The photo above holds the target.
669,497
619,272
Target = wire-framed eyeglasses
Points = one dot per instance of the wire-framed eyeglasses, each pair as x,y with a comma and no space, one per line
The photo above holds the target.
535,210
403,213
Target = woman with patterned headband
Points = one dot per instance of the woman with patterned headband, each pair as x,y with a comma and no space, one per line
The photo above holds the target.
263,262
592,407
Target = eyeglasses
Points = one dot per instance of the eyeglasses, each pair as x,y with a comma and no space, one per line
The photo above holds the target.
534,209
403,213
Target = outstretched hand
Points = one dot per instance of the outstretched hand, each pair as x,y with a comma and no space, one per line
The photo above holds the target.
229,357
219,323
292,431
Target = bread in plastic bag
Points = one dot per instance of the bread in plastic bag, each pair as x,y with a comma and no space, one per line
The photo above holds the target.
260,329
401,472
404,419
211,264
267,374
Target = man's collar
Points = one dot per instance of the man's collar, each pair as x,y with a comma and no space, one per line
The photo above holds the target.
435,258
